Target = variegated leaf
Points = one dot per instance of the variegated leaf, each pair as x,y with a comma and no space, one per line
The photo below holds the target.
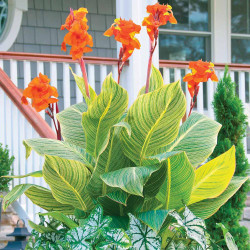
61,217
142,237
110,160
154,119
130,179
71,124
114,239
154,219
177,187
194,226
212,178
104,112
44,146
206,208
228,237
199,131
40,196
67,180
77,238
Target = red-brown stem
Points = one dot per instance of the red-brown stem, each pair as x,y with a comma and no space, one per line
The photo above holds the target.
151,52
120,67
50,112
194,100
59,135
84,74
149,67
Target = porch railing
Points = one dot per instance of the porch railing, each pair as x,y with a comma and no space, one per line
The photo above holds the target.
18,122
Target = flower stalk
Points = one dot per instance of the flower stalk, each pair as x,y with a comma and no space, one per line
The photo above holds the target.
50,113
85,77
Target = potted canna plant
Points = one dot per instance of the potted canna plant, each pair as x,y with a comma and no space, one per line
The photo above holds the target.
127,177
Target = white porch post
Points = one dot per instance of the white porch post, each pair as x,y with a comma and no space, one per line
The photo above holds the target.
221,33
133,77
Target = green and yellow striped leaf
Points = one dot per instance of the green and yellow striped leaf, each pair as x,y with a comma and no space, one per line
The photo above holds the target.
155,81
130,180
206,208
104,112
61,217
71,124
40,228
67,180
33,174
212,178
177,187
40,196
197,137
154,119
80,83
43,146
110,160
153,219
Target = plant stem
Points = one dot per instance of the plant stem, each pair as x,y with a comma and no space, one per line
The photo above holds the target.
59,134
194,100
151,52
149,66
84,74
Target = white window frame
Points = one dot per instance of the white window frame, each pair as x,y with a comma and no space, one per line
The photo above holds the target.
14,20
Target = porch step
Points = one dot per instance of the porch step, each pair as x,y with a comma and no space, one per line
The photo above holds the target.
9,219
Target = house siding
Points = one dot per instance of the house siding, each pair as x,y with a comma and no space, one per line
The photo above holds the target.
40,30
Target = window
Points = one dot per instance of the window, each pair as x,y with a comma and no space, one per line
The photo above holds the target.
240,29
190,39
3,15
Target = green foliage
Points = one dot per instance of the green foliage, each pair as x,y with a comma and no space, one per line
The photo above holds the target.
229,111
137,164
5,167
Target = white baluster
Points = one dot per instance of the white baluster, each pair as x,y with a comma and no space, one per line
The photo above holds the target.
91,75
242,87
1,63
242,96
210,96
166,75
115,72
53,74
79,97
177,75
2,117
232,75
103,73
13,71
200,106
66,85
188,97
27,73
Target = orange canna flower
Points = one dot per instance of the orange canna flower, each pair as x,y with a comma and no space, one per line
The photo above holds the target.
40,92
201,72
124,32
77,37
159,14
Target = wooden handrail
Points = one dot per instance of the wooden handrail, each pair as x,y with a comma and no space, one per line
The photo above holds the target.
20,56
36,121
184,65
